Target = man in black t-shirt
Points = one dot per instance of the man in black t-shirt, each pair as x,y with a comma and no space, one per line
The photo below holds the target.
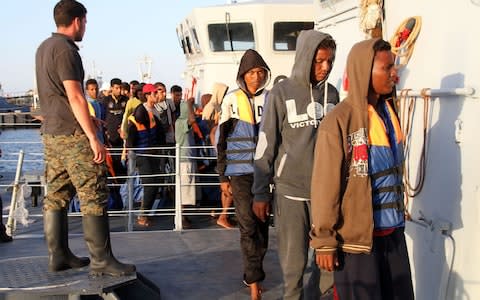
74,157
114,108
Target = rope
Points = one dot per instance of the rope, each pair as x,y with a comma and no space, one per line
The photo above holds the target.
407,111
371,16
403,46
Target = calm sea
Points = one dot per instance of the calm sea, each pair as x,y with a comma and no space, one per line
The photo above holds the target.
14,140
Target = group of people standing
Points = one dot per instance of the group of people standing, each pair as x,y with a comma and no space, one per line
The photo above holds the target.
139,116
329,171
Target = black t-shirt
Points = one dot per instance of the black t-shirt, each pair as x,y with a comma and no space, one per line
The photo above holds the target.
57,60
114,109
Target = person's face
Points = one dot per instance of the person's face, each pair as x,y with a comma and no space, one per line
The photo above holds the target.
161,93
321,65
176,97
255,79
125,92
152,97
384,73
92,91
81,25
116,90
133,89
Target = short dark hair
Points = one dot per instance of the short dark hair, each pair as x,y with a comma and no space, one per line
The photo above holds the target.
91,81
328,43
157,84
126,86
381,45
66,11
115,81
139,91
175,89
134,82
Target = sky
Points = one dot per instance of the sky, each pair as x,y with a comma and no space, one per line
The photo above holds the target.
119,34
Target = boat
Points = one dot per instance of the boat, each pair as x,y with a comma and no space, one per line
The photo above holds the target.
436,46
438,103
214,39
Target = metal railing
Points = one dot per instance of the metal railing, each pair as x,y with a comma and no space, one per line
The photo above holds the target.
173,174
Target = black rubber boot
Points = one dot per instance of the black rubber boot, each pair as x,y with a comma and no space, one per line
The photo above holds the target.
55,224
4,237
97,236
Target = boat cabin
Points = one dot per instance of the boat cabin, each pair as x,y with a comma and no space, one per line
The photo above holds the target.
214,39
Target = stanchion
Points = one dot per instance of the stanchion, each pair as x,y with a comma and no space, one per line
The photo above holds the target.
130,180
13,203
178,194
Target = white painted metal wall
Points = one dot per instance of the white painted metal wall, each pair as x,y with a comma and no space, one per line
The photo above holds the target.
209,67
443,237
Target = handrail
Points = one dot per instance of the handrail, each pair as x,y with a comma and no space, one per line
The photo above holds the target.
442,92
177,211
338,14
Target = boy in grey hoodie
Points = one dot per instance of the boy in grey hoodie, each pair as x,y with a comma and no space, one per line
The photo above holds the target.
284,156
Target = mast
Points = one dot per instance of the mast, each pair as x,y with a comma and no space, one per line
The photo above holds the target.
145,69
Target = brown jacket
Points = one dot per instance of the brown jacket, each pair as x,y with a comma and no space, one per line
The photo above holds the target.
342,213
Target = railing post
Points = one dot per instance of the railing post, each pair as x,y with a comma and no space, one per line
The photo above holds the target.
130,180
13,203
178,192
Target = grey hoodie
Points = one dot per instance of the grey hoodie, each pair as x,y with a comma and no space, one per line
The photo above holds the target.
284,153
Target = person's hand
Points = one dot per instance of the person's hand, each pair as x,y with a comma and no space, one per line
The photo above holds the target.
122,134
98,151
226,188
327,262
261,210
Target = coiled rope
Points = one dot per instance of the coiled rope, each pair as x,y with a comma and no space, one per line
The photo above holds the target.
404,50
407,110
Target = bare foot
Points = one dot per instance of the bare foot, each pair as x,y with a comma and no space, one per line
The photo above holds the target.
223,221
143,221
256,291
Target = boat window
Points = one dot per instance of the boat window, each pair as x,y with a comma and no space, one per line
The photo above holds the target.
196,43
189,45
180,40
238,38
285,34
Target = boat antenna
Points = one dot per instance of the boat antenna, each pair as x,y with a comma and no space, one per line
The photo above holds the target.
227,23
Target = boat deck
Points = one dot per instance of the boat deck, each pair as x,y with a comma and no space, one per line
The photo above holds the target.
199,263
193,264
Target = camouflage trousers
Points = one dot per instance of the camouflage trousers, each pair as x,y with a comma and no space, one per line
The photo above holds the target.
69,169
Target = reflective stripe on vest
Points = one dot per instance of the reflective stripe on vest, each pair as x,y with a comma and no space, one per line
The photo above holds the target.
241,142
385,167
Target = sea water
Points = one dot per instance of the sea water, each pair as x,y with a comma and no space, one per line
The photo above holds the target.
26,139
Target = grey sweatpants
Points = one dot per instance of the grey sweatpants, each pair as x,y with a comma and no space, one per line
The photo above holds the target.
301,276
